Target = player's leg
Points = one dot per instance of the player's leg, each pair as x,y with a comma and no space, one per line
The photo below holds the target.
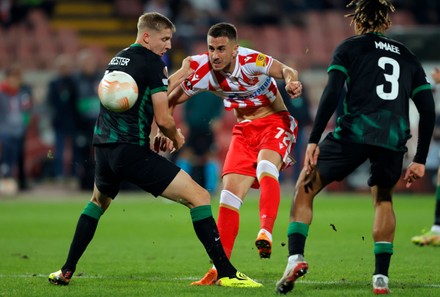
432,237
336,160
300,220
228,220
106,181
84,232
185,190
274,137
235,188
383,235
269,163
386,167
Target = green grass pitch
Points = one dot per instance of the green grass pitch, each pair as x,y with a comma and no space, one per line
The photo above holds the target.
147,247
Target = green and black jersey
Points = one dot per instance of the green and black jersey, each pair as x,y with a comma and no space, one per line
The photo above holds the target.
381,76
134,125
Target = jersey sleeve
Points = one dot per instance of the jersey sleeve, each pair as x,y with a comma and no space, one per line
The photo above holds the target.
420,81
340,59
157,75
199,80
253,62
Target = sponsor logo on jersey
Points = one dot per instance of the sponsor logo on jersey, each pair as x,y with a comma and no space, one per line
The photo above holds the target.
263,89
261,60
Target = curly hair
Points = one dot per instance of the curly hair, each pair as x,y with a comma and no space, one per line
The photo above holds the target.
371,15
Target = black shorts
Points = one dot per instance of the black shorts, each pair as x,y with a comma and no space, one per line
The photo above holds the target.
138,165
338,158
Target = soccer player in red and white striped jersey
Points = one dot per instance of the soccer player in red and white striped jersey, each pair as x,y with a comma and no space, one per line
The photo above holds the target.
263,136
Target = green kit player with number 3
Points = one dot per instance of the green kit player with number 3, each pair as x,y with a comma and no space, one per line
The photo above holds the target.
381,75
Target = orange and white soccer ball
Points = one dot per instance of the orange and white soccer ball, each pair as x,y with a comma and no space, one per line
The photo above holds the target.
118,91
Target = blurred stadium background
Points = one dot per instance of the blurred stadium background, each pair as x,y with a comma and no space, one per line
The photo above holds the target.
301,33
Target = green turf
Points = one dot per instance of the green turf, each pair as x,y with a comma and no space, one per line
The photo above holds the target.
147,247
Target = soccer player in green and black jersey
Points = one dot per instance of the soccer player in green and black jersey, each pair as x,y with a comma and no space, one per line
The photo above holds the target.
122,152
381,76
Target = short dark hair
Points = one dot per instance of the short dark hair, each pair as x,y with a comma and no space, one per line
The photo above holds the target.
371,14
223,30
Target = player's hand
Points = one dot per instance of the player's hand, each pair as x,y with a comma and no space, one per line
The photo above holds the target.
186,66
311,158
161,142
413,172
294,88
310,178
178,142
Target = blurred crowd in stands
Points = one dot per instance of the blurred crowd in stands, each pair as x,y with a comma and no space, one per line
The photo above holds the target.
48,99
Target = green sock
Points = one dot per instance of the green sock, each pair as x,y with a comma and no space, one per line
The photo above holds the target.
297,234
93,210
383,247
207,232
201,212
85,229
382,252
298,227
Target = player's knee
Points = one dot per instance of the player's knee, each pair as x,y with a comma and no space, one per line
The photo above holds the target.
101,200
230,200
198,196
384,195
267,168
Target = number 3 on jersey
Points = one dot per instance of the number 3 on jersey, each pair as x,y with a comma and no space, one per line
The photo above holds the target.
392,78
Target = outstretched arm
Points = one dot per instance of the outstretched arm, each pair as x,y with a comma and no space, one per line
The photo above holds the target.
279,70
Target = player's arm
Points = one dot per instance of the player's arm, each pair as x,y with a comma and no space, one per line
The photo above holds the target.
327,104
279,70
180,75
165,122
425,105
176,97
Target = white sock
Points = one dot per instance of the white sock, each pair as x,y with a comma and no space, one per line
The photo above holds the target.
267,233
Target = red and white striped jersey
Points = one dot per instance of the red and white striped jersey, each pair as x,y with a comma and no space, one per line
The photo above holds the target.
247,86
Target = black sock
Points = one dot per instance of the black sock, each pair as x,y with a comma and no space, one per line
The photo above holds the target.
297,241
85,229
207,232
382,263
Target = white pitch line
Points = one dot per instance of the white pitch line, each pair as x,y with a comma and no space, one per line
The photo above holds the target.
149,278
